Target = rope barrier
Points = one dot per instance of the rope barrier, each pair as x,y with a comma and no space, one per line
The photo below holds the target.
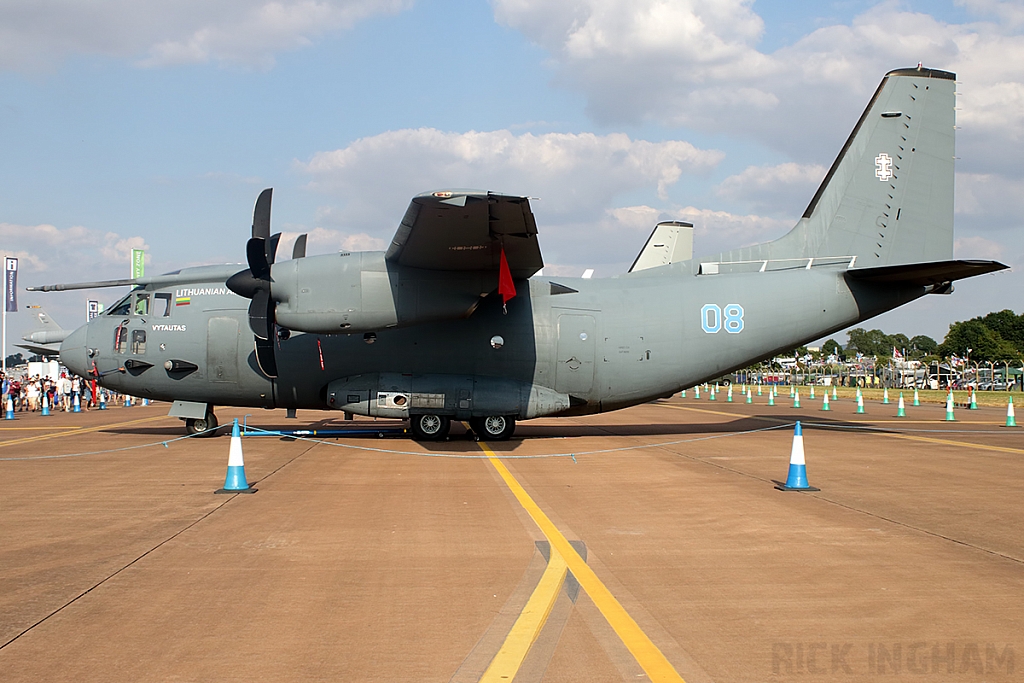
507,456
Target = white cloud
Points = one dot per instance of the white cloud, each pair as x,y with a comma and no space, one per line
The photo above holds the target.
977,248
69,254
38,34
696,63
576,175
783,188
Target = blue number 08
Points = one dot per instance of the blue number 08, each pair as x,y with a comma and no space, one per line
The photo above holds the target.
712,319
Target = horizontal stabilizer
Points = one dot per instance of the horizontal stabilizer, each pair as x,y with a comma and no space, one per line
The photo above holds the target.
924,274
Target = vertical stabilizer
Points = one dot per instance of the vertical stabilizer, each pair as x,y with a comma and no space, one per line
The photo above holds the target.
888,197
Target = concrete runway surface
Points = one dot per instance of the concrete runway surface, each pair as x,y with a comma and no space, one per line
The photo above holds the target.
645,544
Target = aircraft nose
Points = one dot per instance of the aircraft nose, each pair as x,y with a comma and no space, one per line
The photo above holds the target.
73,352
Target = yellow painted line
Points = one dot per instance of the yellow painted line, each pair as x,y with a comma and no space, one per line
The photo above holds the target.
781,419
524,633
952,442
646,653
81,430
910,437
35,429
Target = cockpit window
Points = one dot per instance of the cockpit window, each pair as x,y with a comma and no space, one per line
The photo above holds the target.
141,303
162,304
121,307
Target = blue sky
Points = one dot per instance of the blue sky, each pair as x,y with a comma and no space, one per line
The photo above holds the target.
159,128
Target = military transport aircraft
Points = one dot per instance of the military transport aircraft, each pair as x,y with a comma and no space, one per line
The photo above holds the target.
452,322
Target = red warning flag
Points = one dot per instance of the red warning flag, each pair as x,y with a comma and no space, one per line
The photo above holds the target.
506,288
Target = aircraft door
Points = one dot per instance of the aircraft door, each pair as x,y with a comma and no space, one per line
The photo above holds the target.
577,339
222,350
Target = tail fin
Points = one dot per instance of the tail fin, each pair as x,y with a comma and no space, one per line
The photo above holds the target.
888,198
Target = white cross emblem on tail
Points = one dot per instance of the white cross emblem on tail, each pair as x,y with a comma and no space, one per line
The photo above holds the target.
883,167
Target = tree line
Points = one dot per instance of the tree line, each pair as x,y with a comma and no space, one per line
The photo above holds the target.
998,336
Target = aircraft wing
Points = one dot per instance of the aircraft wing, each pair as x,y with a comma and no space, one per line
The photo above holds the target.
467,230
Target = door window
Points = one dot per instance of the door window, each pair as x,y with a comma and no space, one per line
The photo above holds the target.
138,342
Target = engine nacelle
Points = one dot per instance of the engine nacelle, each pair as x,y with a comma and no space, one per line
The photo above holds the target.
366,293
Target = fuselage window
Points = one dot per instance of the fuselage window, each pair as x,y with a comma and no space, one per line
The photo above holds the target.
121,337
121,307
162,304
138,341
141,304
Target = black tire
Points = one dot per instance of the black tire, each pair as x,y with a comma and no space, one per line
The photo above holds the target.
429,427
493,427
202,427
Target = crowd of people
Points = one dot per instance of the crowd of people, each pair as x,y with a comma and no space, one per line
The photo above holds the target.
26,392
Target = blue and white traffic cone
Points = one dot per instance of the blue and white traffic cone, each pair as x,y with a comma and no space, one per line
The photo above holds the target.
76,404
127,401
46,406
1011,420
9,415
796,480
824,402
103,400
145,401
235,481
901,409
949,408
917,399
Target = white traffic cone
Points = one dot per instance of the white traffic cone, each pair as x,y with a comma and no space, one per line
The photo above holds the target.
796,480
235,481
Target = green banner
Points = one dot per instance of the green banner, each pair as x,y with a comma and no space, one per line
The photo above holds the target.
138,263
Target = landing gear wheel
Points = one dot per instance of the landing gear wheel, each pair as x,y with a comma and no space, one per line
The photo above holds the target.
493,427
429,427
204,427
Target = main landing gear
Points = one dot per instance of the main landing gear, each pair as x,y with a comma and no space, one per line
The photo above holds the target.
431,427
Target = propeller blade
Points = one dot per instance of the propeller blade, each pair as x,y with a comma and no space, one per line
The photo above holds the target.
256,255
261,214
272,247
299,250
265,357
261,314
